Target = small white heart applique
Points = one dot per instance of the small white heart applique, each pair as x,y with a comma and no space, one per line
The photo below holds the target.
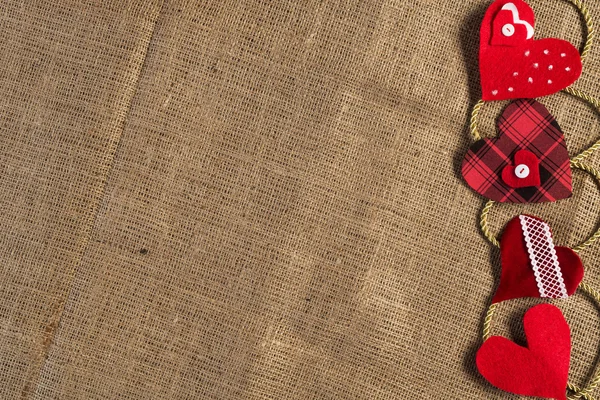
516,20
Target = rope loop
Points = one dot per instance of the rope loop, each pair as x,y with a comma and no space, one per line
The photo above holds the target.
576,163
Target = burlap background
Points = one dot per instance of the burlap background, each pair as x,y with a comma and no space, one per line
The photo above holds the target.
243,199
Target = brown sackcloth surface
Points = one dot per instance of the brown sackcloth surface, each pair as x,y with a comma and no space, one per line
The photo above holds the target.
258,199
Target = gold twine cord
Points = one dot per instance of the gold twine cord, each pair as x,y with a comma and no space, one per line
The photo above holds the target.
578,393
589,24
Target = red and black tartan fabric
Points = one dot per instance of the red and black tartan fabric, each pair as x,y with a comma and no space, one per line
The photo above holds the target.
524,125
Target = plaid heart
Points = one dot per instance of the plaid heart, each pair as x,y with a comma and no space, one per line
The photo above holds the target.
524,125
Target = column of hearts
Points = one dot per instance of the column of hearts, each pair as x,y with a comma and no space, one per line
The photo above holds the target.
524,285
514,66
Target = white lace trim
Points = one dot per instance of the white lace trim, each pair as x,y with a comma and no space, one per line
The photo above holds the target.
542,255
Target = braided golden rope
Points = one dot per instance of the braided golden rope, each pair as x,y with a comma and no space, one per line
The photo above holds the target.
578,393
589,24
594,102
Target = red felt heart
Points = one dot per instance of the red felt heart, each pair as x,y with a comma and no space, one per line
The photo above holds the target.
518,278
512,65
525,171
539,370
524,125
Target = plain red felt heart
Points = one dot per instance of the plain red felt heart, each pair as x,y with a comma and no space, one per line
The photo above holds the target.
517,278
525,172
524,125
512,65
539,370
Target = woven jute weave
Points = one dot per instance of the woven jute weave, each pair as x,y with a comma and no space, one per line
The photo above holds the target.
259,199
